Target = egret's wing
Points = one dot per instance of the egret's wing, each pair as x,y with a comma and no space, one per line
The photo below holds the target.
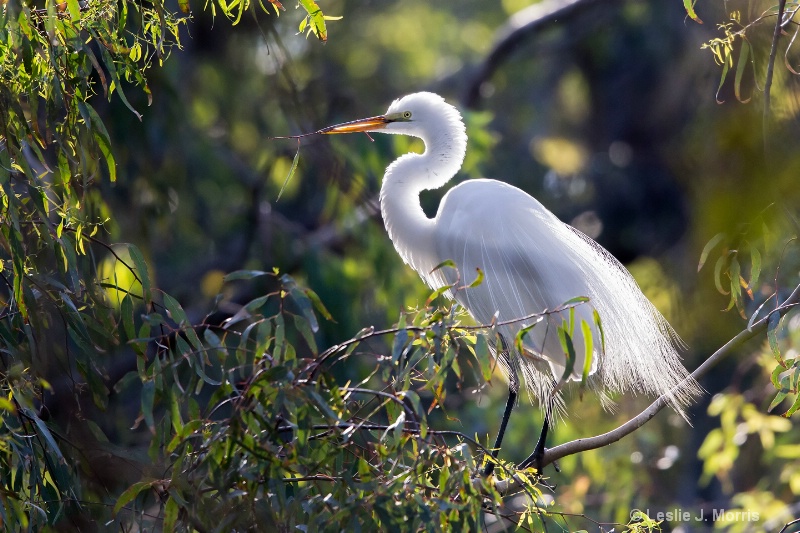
532,262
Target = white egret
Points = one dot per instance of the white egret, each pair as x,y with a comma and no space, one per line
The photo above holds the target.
531,262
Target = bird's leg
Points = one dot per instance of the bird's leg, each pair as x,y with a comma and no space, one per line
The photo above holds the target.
535,459
512,398
513,387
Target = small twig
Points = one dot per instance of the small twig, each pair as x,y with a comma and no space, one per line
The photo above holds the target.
789,524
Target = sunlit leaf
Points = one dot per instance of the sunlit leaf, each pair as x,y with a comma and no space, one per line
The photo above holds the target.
569,352
741,65
292,170
519,339
435,294
316,19
478,279
707,249
723,76
588,342
318,305
108,61
688,5
794,408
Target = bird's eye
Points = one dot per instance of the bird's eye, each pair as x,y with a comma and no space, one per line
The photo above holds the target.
406,115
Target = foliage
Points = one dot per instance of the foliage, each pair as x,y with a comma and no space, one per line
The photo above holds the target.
59,316
251,424
257,419
742,46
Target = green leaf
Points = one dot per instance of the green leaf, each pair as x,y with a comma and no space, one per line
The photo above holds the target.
305,330
292,170
725,68
519,338
793,409
148,399
446,263
141,272
399,345
416,405
301,300
755,268
707,249
435,294
772,336
688,5
569,351
588,343
318,305
484,357
718,267
45,432
126,311
100,135
778,399
130,494
775,377
316,19
740,67
175,310
599,324
112,70
478,278
245,274
170,514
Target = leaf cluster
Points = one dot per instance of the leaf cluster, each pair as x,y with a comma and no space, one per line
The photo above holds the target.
252,433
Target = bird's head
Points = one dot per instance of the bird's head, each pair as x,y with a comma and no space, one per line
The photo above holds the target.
423,115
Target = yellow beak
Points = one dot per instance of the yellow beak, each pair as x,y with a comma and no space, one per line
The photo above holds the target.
356,126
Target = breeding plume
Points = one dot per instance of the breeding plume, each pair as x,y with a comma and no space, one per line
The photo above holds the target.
531,262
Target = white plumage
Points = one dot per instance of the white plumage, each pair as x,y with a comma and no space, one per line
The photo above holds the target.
530,259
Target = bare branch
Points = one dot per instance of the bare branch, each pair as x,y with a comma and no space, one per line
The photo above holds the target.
551,455
591,443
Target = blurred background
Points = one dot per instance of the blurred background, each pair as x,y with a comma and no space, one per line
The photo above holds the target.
613,116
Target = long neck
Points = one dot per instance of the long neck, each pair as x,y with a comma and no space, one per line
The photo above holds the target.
409,228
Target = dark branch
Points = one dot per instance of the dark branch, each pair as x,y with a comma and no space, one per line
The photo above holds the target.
520,26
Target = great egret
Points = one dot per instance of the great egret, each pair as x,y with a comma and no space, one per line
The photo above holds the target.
531,262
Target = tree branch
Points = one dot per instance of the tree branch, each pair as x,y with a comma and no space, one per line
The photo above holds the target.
520,26
581,445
